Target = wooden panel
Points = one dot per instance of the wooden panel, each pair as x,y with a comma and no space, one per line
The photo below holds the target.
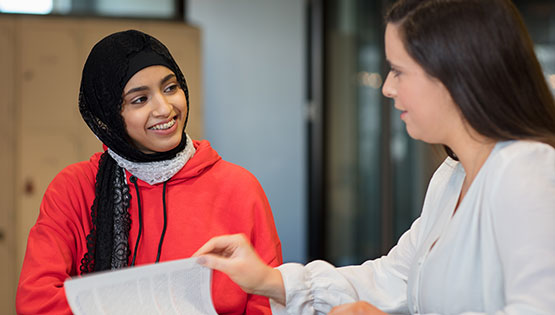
7,167
49,128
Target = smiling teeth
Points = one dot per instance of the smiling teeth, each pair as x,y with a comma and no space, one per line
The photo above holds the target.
167,125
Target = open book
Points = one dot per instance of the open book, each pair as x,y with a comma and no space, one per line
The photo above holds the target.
173,287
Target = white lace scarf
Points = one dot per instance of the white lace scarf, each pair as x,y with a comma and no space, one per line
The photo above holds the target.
159,171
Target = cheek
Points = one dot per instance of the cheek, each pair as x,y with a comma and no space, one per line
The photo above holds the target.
182,102
133,121
410,96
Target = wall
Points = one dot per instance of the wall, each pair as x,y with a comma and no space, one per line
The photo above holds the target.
254,89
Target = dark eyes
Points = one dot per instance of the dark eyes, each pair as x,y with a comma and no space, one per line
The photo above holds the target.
139,100
395,72
171,88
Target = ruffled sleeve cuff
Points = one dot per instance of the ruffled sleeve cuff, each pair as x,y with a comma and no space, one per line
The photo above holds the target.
312,289
297,289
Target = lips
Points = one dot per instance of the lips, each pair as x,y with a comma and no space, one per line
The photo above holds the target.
164,126
403,112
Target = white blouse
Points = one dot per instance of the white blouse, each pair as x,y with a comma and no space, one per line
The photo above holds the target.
495,255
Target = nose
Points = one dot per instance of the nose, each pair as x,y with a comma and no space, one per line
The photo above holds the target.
162,106
388,90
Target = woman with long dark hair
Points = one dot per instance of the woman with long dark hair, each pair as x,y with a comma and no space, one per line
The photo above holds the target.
152,195
464,75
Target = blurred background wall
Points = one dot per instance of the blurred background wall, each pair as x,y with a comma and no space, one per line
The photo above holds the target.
254,77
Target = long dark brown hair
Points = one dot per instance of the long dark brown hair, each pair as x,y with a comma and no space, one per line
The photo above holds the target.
482,53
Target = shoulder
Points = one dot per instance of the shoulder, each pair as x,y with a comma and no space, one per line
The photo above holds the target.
521,149
72,191
237,181
208,161
523,159
76,175
522,173
236,170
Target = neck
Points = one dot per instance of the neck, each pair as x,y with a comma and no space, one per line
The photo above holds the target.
473,151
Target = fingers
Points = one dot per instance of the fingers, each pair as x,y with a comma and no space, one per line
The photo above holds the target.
338,309
220,244
208,247
214,262
235,256
357,308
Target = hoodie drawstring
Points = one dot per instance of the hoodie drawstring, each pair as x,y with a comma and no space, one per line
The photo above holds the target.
165,223
133,179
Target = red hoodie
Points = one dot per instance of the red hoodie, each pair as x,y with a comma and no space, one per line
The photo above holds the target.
207,197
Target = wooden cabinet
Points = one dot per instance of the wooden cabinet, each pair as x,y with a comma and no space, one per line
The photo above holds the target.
7,168
42,130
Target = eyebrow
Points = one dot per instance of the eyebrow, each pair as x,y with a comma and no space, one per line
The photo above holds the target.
143,88
167,78
391,65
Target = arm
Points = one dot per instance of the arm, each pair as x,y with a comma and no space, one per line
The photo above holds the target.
523,216
318,286
235,256
252,217
45,267
265,241
50,255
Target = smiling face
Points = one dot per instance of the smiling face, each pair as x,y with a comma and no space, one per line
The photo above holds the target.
154,109
425,104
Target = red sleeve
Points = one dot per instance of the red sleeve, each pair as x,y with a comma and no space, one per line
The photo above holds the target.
266,242
257,304
52,249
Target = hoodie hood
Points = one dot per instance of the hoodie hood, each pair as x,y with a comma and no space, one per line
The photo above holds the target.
204,158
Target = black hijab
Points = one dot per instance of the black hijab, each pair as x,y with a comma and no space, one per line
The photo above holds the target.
110,64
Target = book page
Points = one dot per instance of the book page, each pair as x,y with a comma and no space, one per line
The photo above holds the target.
173,287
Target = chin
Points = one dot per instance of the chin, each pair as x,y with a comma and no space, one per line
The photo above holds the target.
170,146
412,134
417,136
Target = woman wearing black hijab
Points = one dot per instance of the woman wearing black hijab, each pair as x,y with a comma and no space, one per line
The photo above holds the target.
152,195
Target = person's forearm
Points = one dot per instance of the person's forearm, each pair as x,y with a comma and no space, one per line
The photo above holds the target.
272,286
